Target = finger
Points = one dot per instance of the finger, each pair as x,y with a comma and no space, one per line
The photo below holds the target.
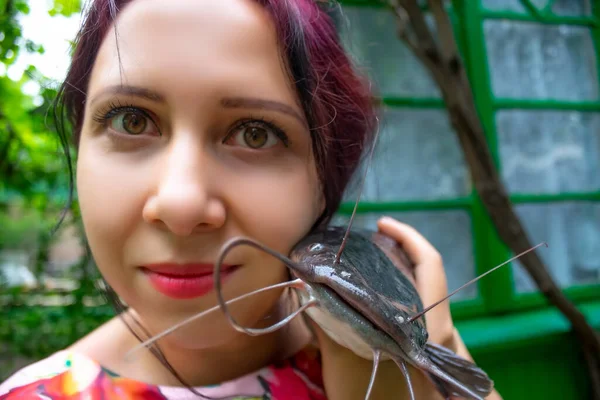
418,248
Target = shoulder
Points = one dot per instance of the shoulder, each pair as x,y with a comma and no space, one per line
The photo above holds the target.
105,339
298,378
48,367
79,353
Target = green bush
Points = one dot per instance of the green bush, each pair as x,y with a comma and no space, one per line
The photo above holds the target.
34,333
21,232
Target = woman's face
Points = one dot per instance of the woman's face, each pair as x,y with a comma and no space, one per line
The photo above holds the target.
193,135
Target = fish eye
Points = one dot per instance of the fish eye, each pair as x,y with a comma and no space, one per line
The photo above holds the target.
315,247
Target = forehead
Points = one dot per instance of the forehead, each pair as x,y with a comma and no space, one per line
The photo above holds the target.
180,45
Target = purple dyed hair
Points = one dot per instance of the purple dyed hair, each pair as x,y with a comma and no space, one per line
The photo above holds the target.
335,98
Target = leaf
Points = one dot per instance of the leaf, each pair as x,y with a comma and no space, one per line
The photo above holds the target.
22,6
32,47
65,7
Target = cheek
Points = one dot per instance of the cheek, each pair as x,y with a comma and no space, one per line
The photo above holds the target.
110,197
281,207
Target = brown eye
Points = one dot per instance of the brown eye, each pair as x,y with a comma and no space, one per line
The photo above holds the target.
130,122
255,137
134,123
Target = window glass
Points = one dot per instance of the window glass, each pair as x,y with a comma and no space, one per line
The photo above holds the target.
572,231
418,157
563,8
549,152
546,62
370,35
572,8
503,5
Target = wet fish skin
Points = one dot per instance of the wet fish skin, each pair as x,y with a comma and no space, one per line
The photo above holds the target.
371,294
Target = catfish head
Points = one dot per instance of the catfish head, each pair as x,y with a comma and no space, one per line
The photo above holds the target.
373,276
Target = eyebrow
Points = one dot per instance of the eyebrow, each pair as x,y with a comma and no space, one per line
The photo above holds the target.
228,102
251,102
131,91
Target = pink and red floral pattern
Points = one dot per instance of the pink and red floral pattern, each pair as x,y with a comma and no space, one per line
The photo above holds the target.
298,378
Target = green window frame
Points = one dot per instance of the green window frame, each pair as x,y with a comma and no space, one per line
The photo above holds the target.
496,293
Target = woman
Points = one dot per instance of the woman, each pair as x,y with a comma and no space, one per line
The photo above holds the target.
197,121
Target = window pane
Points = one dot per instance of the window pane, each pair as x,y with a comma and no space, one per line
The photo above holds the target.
570,8
549,151
503,5
572,231
370,35
534,61
540,4
448,231
418,157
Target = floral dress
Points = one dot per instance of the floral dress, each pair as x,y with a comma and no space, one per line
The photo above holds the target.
72,376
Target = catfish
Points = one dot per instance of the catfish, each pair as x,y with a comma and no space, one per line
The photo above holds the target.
367,302
365,299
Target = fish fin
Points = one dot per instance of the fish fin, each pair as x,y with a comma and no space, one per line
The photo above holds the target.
439,384
455,374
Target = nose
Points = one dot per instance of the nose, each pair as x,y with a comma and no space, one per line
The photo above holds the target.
186,198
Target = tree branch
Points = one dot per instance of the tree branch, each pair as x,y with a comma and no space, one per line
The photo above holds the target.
422,32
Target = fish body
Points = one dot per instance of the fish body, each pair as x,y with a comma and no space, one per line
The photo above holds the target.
366,300
344,324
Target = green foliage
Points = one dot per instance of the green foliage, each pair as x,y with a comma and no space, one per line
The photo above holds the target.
31,160
20,232
34,176
32,166
10,30
65,7
34,333
30,331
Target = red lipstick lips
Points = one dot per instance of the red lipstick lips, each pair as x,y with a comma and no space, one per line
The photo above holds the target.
184,281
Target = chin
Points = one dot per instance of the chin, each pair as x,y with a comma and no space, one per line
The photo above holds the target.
209,331
213,329
210,334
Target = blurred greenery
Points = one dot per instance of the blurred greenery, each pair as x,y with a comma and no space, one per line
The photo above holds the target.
34,183
65,7
19,233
